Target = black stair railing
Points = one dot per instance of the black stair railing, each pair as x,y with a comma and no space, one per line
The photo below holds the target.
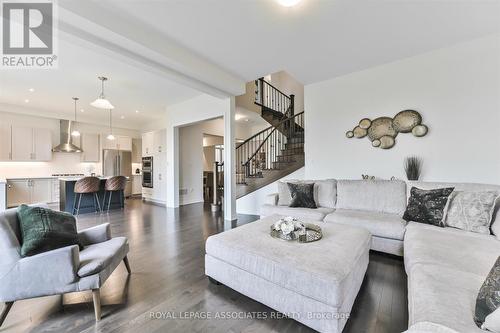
270,148
268,96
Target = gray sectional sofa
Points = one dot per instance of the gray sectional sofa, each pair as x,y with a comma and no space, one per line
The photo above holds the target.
445,266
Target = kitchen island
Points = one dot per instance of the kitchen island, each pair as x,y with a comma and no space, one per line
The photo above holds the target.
67,197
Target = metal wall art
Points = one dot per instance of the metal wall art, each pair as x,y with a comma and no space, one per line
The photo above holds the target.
382,131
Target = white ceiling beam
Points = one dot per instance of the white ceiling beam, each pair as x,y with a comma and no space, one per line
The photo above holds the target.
145,47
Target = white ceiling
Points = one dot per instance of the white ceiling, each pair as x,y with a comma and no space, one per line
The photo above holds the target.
317,39
129,89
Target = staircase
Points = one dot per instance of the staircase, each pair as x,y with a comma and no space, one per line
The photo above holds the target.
275,151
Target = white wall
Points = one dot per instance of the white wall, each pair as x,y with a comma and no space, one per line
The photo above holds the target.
289,85
61,162
457,91
191,164
197,109
251,203
192,161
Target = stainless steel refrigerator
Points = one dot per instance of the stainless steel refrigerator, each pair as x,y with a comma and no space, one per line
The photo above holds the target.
118,163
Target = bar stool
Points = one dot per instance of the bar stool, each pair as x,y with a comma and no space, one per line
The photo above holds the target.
115,184
87,185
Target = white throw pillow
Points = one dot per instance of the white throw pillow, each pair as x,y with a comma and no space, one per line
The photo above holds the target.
471,210
284,196
492,322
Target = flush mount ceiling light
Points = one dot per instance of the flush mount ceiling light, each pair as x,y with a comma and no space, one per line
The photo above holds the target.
288,3
75,131
110,135
101,102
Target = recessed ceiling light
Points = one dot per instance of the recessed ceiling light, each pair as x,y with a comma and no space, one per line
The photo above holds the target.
82,110
247,119
288,3
238,116
136,111
122,117
31,89
26,101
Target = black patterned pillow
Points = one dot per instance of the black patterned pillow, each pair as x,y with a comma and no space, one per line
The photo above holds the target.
488,301
427,206
302,195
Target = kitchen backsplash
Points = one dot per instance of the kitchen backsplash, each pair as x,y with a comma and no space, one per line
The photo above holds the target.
60,163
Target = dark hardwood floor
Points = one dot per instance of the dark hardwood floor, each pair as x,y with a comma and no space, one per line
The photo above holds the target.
167,258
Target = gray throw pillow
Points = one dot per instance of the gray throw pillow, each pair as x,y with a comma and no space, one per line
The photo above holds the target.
488,299
471,211
427,206
302,195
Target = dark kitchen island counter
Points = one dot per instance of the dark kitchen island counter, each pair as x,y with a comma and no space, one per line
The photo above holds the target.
67,197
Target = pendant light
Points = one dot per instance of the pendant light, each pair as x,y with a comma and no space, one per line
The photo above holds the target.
75,132
110,135
101,102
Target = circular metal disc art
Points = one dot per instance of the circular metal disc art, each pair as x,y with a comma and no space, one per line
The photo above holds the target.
382,131
419,130
359,132
406,120
365,123
387,142
381,127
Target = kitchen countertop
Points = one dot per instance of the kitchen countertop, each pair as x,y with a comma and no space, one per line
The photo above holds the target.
48,177
21,178
75,178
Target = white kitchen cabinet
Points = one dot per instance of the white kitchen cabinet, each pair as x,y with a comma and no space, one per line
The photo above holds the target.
90,147
159,141
124,143
147,144
154,144
41,190
22,143
147,193
42,144
31,144
109,144
136,184
119,143
18,192
32,190
5,142
160,179
136,151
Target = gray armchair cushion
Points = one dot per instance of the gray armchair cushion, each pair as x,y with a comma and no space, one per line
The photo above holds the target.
95,257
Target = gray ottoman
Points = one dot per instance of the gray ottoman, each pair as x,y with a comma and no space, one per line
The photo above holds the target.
313,283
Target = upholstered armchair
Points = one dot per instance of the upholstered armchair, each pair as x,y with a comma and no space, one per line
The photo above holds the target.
59,271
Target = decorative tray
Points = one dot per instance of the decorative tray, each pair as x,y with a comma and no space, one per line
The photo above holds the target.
309,233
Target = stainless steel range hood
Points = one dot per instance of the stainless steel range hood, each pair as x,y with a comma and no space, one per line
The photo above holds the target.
66,145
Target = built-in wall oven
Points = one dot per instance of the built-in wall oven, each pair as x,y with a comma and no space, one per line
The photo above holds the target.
147,171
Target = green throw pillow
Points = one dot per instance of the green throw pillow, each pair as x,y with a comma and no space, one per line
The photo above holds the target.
44,229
